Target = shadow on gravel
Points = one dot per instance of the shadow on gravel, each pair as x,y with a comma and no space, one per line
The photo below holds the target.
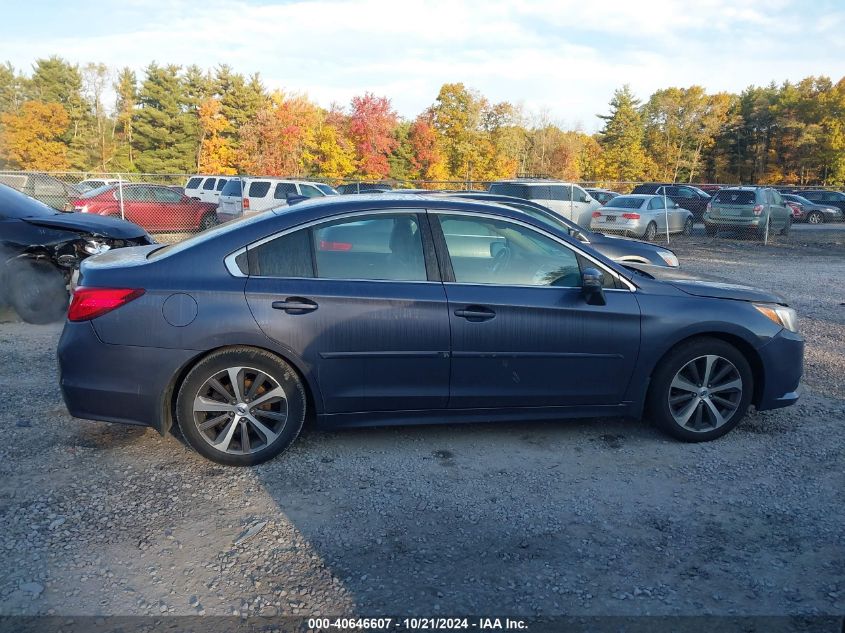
105,437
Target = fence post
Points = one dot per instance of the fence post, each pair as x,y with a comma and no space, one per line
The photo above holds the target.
766,231
120,196
666,214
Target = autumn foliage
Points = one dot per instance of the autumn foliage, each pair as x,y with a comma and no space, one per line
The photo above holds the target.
32,137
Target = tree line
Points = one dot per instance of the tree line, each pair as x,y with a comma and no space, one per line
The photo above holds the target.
63,116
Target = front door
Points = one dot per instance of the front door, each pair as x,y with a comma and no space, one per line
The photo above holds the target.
522,334
357,300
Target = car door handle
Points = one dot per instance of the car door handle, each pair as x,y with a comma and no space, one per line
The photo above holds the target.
296,304
475,313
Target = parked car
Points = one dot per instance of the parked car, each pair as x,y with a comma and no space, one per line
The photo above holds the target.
642,215
797,210
247,196
619,249
570,200
95,183
363,187
43,187
602,196
373,310
709,189
40,248
812,212
824,198
157,208
326,189
756,210
205,188
686,196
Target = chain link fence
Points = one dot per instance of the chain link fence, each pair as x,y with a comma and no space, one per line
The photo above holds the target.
175,206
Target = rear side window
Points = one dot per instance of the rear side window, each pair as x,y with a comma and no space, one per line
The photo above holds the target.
209,183
383,247
735,196
286,256
258,188
193,183
232,188
509,189
283,189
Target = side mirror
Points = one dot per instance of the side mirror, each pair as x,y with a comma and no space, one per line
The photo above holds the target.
592,287
585,198
676,206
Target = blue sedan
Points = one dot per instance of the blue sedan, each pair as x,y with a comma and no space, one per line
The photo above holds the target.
387,309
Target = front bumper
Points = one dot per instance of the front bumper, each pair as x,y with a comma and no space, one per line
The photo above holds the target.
115,383
783,366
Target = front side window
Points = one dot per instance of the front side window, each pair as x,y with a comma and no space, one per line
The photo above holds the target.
311,192
564,192
258,188
492,251
283,189
656,203
385,247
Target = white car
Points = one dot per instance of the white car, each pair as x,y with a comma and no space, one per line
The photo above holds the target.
567,199
206,188
247,196
95,183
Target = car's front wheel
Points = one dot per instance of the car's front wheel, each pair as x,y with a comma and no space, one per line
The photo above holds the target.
700,390
241,406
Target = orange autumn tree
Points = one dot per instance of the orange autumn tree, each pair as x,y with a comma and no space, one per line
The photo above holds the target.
371,124
32,137
427,160
215,154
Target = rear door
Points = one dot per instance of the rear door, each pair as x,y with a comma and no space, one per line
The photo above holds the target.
360,302
140,207
522,334
208,190
260,196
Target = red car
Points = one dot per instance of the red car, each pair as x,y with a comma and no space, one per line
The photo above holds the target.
154,207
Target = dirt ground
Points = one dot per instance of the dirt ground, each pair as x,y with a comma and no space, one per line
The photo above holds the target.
577,518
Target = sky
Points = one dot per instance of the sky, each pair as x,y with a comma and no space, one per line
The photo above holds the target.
560,60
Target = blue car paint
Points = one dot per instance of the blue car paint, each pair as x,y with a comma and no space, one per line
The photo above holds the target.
368,358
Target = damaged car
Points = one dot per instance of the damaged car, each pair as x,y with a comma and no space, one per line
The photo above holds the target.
41,248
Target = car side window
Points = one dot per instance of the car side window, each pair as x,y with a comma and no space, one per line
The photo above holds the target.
377,247
540,192
136,194
656,203
209,183
193,183
220,183
283,189
563,192
160,194
258,188
285,256
311,192
686,192
492,251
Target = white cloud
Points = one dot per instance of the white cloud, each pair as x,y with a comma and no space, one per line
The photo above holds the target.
565,56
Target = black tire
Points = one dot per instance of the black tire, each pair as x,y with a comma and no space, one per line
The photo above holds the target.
650,232
657,401
37,290
710,230
787,227
688,227
263,361
207,221
815,217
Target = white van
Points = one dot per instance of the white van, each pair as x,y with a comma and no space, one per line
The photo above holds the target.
564,198
246,196
206,188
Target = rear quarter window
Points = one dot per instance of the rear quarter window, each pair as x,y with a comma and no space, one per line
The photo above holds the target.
258,188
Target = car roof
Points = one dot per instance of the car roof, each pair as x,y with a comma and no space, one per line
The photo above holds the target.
642,196
533,181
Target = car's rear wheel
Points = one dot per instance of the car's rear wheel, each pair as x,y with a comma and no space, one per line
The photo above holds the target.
701,390
814,217
207,221
36,289
650,232
710,230
688,227
786,227
241,406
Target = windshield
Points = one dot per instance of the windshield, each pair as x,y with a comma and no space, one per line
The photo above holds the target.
625,202
14,204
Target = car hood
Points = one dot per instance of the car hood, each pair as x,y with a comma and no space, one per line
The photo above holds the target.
706,285
90,223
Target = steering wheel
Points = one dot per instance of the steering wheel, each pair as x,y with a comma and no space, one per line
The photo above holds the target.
501,260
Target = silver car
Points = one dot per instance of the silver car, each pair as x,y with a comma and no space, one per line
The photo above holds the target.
641,215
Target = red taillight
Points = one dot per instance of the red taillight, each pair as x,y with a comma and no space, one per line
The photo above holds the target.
758,209
246,203
335,246
596,214
89,303
631,216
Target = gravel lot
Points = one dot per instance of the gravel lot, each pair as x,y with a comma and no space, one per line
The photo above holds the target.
585,517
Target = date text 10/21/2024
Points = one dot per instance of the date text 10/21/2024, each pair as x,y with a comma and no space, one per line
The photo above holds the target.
417,624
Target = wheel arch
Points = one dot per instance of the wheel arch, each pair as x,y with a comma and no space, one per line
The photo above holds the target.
171,392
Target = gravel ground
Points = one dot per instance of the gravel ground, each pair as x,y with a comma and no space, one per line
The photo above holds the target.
580,518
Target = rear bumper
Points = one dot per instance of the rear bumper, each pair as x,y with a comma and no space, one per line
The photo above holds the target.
783,363
115,383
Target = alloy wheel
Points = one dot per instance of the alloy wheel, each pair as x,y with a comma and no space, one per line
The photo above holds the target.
815,218
705,393
240,410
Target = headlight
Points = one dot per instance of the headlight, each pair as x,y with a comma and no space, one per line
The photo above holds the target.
783,316
95,247
669,257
